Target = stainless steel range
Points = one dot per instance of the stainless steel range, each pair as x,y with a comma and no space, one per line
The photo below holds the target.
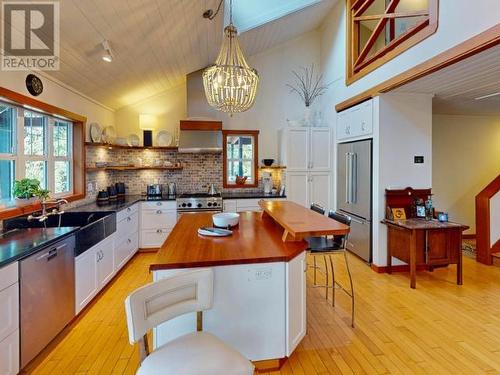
200,202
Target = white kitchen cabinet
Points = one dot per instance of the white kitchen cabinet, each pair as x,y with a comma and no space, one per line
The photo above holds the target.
125,249
320,188
86,284
296,317
9,354
105,261
242,205
229,205
306,149
157,221
9,319
355,122
306,188
297,187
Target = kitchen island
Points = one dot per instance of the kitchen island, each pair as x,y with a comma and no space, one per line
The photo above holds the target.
260,281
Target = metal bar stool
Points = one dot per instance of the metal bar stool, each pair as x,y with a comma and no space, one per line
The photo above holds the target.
327,247
320,210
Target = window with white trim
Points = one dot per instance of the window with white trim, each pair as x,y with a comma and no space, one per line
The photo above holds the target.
35,145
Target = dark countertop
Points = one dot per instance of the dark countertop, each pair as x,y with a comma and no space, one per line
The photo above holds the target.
250,195
119,205
19,243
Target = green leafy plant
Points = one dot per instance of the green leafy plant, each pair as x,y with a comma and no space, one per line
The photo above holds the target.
28,188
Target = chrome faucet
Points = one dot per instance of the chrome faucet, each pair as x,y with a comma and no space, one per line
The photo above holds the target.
45,214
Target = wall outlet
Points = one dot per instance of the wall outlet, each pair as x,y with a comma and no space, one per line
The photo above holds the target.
90,187
263,274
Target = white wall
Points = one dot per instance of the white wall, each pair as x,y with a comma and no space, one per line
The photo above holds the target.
169,107
453,29
402,130
495,218
466,152
60,95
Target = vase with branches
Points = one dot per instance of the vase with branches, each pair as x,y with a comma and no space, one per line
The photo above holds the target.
308,86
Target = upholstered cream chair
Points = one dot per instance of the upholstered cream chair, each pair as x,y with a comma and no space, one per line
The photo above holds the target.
197,353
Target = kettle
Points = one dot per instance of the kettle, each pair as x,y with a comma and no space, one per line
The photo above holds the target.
212,190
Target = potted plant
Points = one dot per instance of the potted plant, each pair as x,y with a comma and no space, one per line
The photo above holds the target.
308,87
29,189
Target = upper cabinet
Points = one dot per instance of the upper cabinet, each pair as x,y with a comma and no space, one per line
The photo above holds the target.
379,30
306,149
355,122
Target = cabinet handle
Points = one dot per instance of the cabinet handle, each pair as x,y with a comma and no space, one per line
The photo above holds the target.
129,218
363,126
129,209
348,129
158,231
158,212
158,203
129,240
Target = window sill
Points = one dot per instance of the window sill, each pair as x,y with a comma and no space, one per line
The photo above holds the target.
12,208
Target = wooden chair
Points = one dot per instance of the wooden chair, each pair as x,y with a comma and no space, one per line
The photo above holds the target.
195,353
326,248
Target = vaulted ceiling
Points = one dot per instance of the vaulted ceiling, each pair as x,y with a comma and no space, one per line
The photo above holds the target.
156,43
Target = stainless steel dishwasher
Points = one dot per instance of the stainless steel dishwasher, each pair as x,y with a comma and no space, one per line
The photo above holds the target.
47,296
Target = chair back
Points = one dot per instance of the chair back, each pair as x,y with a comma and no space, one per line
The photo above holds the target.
168,298
344,219
318,208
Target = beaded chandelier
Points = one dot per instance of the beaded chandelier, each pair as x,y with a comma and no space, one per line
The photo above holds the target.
230,84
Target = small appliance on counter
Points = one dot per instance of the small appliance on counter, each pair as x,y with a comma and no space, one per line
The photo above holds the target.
113,196
154,191
267,182
102,198
172,189
120,190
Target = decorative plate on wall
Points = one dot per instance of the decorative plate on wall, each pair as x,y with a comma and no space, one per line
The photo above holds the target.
164,138
133,140
95,132
109,134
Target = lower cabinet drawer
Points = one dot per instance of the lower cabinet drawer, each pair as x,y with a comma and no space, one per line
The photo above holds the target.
9,354
9,311
158,218
151,238
129,224
125,248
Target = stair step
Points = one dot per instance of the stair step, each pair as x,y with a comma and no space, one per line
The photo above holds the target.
496,255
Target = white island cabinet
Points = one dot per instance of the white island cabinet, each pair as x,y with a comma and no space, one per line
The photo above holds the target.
9,319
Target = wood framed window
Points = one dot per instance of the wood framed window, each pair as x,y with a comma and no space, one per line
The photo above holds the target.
38,140
379,30
240,158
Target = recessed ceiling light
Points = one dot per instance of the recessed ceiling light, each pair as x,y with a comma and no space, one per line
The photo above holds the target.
108,54
488,96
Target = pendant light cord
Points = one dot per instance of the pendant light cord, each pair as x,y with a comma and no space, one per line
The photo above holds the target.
209,14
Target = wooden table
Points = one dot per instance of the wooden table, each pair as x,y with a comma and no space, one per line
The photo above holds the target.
421,242
299,222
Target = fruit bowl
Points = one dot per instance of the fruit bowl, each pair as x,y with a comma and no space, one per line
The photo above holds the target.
226,219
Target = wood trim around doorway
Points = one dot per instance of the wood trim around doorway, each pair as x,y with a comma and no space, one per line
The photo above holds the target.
468,48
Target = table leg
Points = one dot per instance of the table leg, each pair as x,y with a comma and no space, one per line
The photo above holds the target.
413,259
389,254
459,264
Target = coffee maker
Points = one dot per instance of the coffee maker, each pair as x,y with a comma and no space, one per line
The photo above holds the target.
267,182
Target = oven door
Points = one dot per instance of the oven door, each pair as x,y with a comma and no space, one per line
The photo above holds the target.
180,213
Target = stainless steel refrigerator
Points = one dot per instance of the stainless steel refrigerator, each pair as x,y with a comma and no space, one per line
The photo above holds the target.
354,193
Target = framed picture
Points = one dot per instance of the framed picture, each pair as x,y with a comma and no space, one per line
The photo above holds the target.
420,211
398,214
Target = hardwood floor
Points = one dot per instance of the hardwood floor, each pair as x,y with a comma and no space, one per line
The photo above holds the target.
439,328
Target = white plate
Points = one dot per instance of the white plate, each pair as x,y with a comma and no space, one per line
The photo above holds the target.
164,138
120,141
109,134
133,140
218,232
95,132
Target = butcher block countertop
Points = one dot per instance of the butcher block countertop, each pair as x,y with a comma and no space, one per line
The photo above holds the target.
255,240
299,222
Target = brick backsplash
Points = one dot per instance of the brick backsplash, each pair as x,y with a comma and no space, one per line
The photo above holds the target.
199,170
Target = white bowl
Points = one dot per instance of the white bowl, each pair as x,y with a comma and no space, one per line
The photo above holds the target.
226,219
